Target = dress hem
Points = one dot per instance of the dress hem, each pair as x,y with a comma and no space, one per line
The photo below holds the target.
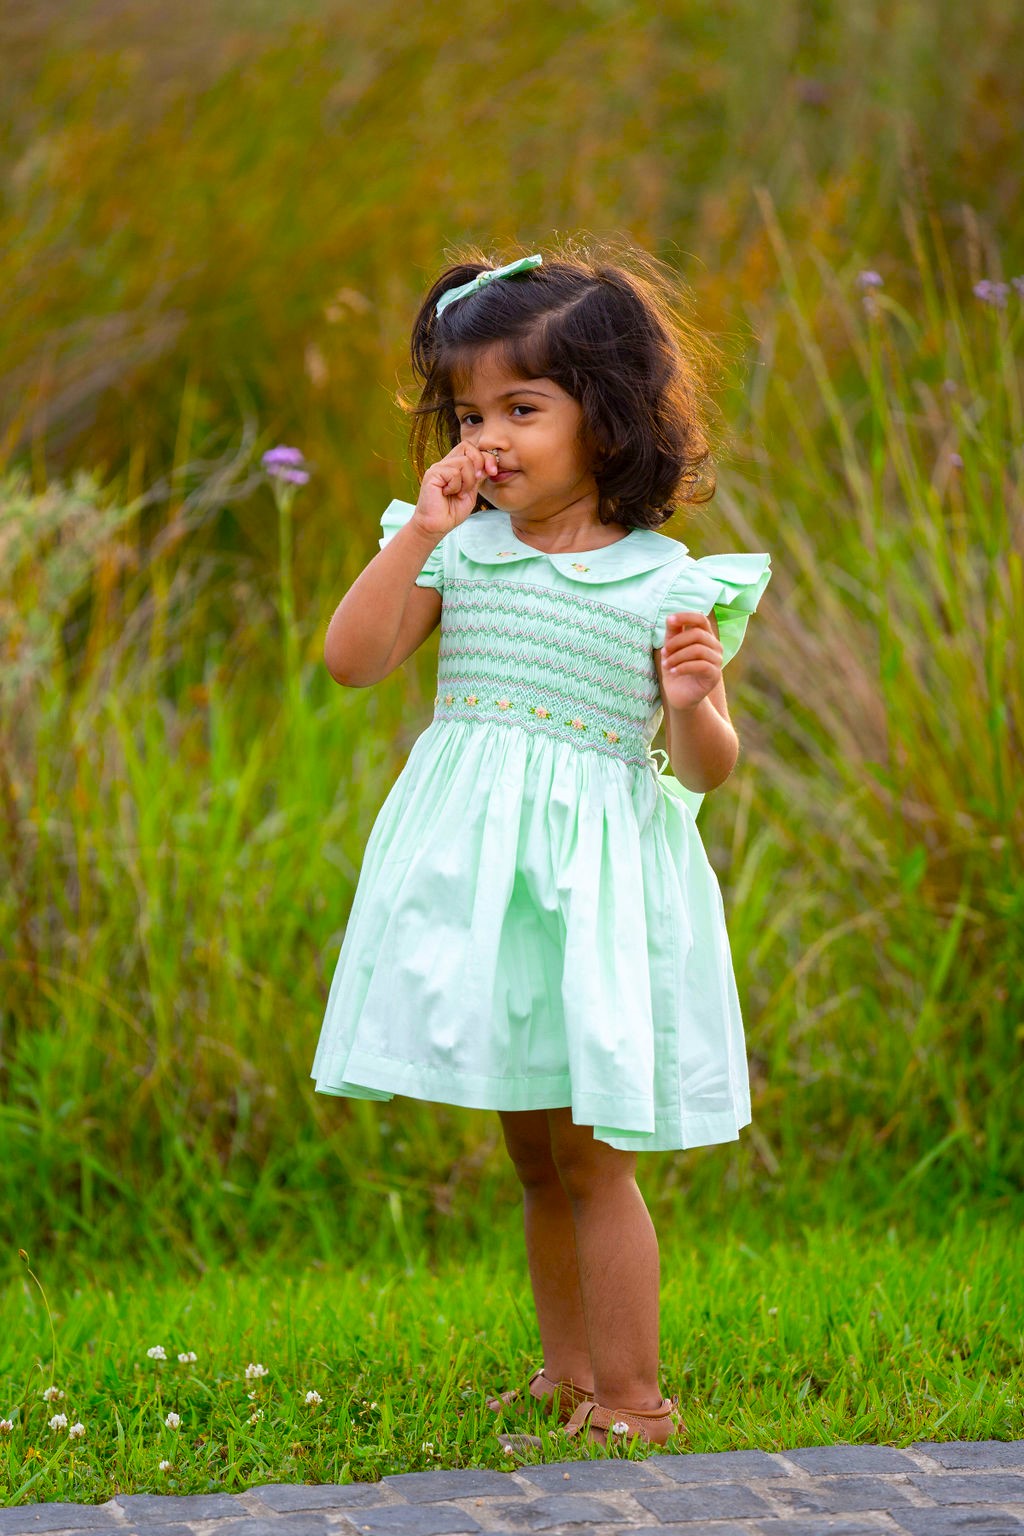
676,1133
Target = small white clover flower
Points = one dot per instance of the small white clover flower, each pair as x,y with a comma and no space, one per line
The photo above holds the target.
313,1397
252,1371
59,1421
187,1356
6,1425
255,1416
508,1450
157,1352
77,1431
165,1466
51,1394
620,1427
428,1446
252,1394
173,1420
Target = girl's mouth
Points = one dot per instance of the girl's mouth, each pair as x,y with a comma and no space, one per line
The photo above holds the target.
505,474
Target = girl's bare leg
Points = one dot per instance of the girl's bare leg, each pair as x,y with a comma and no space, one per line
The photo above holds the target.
550,1248
618,1263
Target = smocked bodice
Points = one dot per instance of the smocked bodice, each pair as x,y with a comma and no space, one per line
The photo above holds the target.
532,657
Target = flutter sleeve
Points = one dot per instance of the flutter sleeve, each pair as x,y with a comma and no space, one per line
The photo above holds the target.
728,585
395,515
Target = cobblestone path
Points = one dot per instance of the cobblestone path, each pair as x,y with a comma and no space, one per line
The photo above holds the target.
975,1488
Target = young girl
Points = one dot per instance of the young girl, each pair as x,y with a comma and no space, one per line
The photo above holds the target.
536,928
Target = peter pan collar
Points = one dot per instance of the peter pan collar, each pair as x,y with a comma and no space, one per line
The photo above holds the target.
488,539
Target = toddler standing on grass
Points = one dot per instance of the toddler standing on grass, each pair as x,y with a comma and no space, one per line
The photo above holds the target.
536,928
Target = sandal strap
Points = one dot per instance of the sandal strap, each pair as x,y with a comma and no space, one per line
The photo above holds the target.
603,1418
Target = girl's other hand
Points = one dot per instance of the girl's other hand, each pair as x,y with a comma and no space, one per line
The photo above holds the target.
691,659
450,488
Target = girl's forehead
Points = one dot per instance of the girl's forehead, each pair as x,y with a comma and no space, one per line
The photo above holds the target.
488,376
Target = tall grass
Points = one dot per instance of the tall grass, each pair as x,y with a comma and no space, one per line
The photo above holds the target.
186,796
250,200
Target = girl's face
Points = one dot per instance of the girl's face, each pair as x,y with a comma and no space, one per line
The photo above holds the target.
533,424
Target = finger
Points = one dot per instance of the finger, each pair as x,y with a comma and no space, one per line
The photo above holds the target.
488,463
474,462
680,620
693,664
686,643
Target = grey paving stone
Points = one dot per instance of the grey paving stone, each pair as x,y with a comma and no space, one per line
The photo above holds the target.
712,1501
556,1509
594,1476
307,1524
144,1507
55,1517
974,1453
850,1458
285,1497
823,1525
964,1520
982,1488
700,1528
148,1529
842,1495
716,1466
413,1519
458,1483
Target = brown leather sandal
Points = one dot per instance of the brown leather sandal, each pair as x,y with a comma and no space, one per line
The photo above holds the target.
655,1425
560,1397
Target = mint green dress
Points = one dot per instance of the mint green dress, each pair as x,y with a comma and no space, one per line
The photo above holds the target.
536,923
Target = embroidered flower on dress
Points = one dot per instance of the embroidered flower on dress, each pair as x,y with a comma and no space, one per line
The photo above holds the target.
506,551
577,567
577,725
611,735
471,698
504,703
449,698
540,712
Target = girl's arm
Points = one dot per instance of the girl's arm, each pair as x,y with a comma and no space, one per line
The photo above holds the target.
384,616
700,739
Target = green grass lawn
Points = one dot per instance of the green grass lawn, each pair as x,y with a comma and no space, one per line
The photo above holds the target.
836,1333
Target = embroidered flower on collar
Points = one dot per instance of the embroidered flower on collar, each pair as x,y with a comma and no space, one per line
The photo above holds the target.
578,567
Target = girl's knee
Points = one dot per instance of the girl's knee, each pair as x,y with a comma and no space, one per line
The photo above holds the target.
585,1165
528,1140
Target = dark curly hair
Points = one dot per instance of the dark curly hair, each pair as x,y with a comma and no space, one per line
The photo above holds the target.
612,338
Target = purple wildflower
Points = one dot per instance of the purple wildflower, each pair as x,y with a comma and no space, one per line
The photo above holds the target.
275,456
1018,283
293,476
992,293
956,461
869,280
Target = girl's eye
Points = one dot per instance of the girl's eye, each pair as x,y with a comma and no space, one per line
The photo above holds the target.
471,416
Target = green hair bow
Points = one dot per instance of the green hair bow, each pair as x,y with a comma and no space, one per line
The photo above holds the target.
482,278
